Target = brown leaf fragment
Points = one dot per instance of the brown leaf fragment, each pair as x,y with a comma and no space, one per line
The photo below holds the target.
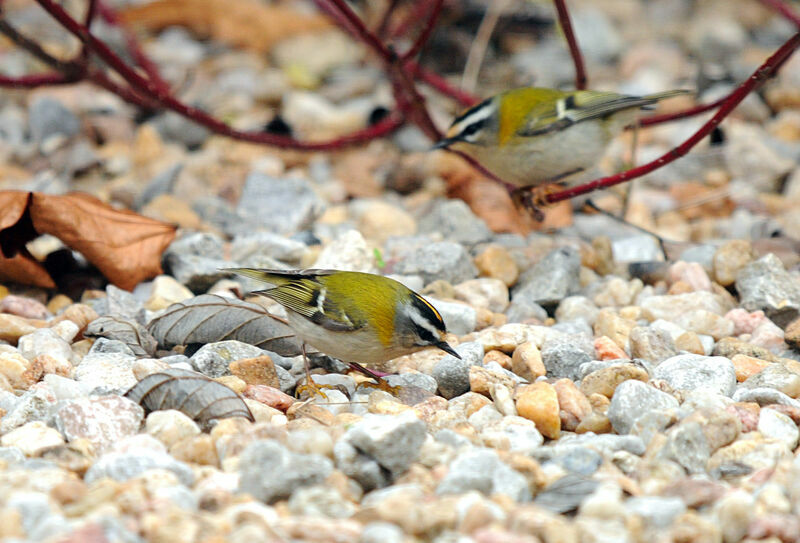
241,23
125,247
202,399
130,332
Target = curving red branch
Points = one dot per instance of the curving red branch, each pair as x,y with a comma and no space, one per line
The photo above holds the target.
572,42
766,70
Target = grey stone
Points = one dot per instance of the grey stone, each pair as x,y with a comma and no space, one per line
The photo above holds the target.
605,444
482,470
693,372
631,400
652,344
287,381
484,416
281,205
459,319
580,460
33,507
197,273
34,404
222,215
521,309
270,471
174,127
419,380
765,284
275,246
562,357
107,372
636,248
602,40
452,374
365,470
103,345
445,260
122,466
198,244
552,279
764,396
213,359
124,305
455,221
101,420
658,511
162,183
320,501
393,441
49,117
577,307
687,445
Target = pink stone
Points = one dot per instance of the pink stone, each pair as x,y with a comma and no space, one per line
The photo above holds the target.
690,273
745,322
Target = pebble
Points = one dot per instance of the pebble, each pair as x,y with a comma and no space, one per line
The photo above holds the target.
32,437
278,205
732,256
775,425
497,263
103,421
453,375
527,362
551,279
459,318
123,466
269,471
165,292
539,402
777,377
349,252
482,470
170,426
563,357
577,307
651,344
50,121
440,260
632,399
491,294
110,372
213,359
259,370
454,220
380,221
766,285
692,372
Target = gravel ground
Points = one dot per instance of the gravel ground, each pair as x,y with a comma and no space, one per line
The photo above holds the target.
604,393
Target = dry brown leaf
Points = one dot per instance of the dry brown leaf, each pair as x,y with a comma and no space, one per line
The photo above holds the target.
241,23
124,246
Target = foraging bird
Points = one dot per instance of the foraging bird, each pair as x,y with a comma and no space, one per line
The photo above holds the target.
353,316
531,136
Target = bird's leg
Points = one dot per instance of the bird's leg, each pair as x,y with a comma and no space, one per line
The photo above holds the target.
310,387
534,197
380,382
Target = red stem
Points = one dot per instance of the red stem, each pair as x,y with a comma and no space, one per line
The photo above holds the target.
757,79
34,80
783,9
425,34
692,111
139,57
574,50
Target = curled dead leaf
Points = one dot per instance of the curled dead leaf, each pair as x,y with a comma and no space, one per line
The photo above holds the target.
124,246
193,394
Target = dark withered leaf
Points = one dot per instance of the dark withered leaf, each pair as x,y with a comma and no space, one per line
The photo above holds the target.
193,394
133,334
210,318
566,494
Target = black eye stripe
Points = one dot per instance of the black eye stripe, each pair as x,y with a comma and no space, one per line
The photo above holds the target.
474,127
471,110
426,335
427,313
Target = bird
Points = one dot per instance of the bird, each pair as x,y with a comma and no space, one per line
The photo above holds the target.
359,318
529,137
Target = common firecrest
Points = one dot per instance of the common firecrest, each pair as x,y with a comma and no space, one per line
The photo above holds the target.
353,316
533,136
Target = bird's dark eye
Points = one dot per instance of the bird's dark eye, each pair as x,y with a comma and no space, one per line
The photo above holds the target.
473,128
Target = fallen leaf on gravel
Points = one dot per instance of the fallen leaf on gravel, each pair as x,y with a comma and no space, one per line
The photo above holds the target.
123,245
241,23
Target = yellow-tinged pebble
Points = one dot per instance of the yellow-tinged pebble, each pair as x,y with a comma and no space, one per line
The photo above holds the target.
539,402
527,361
56,303
747,366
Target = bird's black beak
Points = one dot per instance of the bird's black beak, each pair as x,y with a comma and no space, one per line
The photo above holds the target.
443,144
443,345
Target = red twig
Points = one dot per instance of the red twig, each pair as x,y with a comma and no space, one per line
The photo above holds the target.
574,50
766,70
691,112
385,18
34,80
783,9
425,34
110,16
